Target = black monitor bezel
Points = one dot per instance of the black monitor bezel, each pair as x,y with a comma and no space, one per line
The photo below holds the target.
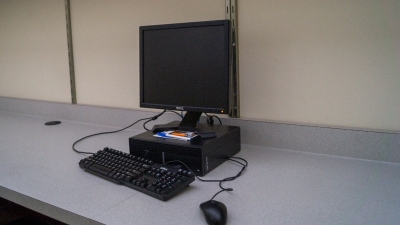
142,29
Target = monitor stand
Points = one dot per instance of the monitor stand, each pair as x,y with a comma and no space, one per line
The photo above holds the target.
188,123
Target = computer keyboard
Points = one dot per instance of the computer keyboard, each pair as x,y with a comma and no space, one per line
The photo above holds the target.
161,181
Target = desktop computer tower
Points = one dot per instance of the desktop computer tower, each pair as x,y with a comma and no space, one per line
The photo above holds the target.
201,156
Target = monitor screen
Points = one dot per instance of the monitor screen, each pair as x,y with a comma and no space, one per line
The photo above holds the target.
185,66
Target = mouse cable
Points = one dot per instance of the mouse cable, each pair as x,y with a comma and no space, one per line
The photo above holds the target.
244,164
110,132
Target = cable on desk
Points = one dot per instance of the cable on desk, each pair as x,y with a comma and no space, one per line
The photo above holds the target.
244,164
110,132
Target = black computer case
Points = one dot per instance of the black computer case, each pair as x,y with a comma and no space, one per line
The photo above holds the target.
201,156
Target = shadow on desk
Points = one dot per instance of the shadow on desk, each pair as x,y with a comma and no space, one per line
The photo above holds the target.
14,214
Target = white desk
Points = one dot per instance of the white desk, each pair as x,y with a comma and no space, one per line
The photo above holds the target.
39,170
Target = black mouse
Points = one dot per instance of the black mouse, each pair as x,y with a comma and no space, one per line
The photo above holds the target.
215,212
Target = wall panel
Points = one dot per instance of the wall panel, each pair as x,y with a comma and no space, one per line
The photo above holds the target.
33,50
334,63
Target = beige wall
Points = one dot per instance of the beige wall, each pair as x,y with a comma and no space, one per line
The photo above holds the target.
334,63
33,50
321,62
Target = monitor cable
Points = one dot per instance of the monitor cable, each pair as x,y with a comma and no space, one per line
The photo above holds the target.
144,124
210,119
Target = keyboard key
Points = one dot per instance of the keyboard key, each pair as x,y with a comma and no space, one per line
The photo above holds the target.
133,175
99,169
151,188
111,173
128,179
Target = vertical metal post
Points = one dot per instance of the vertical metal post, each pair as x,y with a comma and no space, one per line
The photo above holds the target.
231,14
70,51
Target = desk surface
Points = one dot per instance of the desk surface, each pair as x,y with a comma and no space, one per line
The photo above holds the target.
38,169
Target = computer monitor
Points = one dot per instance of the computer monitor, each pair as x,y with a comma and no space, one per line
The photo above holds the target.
185,66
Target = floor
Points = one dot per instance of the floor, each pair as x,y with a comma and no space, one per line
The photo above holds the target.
14,214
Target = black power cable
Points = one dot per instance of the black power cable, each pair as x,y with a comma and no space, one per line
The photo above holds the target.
110,132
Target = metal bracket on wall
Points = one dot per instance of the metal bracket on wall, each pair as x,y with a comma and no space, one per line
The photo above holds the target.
231,14
70,51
